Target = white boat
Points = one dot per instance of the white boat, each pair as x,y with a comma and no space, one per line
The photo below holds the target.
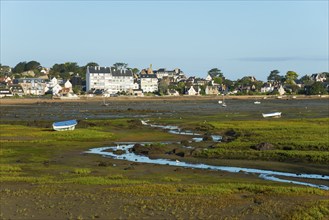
220,102
223,102
257,102
273,114
65,125
104,103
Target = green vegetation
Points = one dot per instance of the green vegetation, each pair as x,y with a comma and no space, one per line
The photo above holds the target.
298,140
82,171
52,172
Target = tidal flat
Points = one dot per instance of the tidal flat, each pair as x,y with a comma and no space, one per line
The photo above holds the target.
46,174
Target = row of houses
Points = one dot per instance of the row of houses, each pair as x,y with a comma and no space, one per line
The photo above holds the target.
113,80
35,86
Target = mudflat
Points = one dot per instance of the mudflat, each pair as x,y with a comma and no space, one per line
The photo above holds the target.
46,174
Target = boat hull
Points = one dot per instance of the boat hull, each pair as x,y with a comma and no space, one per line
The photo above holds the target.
274,115
65,125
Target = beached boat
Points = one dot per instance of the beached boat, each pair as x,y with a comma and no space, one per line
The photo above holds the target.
273,114
65,125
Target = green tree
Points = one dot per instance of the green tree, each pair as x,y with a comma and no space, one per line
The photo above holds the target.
306,80
32,65
120,66
181,87
135,70
228,85
163,87
19,68
71,67
65,75
63,70
91,64
317,88
218,80
202,90
291,76
4,70
274,76
215,72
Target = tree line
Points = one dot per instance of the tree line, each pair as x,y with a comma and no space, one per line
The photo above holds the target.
67,69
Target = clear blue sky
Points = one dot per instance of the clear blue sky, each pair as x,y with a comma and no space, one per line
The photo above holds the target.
239,37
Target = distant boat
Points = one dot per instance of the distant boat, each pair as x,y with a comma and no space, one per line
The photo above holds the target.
104,103
257,102
223,102
65,125
273,114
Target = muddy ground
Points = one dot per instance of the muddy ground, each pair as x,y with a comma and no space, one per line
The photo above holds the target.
74,201
243,108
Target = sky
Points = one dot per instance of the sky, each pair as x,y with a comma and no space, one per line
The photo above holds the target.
241,38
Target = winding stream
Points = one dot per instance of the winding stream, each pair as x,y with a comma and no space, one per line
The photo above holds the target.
264,174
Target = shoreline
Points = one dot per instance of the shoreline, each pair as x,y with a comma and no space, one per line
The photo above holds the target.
9,101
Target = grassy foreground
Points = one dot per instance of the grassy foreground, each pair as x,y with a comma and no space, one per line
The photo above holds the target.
45,175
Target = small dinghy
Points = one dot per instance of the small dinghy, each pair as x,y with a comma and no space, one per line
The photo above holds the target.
65,125
274,115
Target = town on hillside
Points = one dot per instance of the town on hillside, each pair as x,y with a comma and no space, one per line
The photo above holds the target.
68,80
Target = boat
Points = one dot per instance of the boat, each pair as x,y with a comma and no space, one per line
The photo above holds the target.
223,102
65,125
104,103
273,114
256,102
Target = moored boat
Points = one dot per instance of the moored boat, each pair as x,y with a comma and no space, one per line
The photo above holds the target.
273,114
65,125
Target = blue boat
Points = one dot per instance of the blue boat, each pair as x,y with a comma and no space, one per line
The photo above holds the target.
65,125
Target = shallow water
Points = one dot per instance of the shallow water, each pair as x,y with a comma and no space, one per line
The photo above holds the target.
264,174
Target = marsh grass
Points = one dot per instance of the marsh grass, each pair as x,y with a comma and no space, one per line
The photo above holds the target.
82,171
216,189
5,168
178,194
171,179
299,140
311,210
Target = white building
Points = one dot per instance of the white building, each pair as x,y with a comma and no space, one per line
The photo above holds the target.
149,82
193,90
32,86
68,86
176,74
109,79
